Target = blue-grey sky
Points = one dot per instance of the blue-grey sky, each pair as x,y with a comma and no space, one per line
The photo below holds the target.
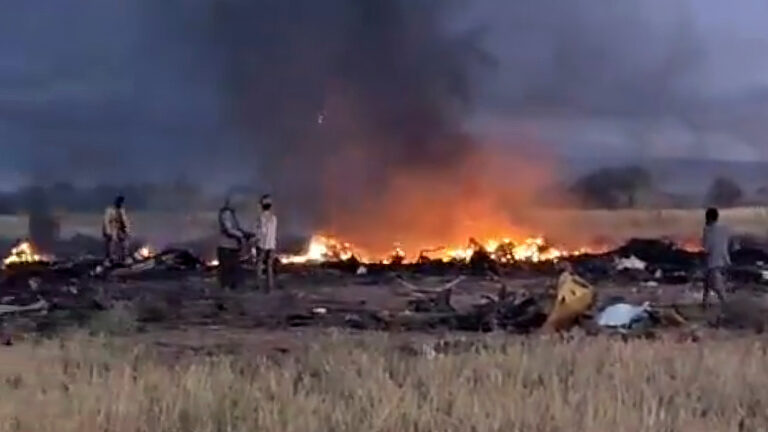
657,78
127,89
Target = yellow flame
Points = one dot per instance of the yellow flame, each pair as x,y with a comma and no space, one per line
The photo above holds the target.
22,253
320,249
145,252
532,249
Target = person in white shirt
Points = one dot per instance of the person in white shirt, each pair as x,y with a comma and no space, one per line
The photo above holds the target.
115,229
266,242
716,241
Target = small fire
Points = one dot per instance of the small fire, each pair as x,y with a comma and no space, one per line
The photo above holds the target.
144,252
23,253
396,257
505,250
322,248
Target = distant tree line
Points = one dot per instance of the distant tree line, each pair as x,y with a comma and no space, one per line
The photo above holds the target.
724,192
613,187
633,186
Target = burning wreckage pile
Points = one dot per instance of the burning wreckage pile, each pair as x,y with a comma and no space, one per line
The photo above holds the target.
534,249
482,293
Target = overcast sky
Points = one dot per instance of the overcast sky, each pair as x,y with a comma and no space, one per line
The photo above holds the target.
657,78
93,89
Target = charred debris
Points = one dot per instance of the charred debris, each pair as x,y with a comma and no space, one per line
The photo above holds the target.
175,287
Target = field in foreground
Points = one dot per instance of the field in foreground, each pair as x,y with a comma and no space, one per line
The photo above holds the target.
354,382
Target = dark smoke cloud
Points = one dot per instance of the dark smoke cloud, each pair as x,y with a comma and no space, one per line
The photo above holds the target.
119,89
105,91
335,98
232,89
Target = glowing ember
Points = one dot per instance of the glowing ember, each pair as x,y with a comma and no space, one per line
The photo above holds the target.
213,263
23,253
532,249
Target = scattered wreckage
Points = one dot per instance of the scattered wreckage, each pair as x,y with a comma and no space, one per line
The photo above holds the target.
33,284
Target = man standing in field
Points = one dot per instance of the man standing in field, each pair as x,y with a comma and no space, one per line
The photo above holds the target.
232,238
115,229
716,241
266,232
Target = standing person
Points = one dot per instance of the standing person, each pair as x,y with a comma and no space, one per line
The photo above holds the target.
116,231
232,238
716,241
266,232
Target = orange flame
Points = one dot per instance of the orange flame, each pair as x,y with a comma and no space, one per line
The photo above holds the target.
324,248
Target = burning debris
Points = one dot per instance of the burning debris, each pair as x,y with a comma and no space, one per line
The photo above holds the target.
24,253
323,248
454,297
143,253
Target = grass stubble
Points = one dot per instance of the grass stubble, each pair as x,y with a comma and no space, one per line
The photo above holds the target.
370,383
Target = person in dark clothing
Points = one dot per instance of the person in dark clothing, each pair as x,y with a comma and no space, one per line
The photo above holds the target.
232,239
116,230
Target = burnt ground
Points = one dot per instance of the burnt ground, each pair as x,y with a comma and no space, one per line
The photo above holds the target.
172,300
186,311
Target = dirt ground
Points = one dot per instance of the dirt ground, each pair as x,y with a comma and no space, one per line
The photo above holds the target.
190,314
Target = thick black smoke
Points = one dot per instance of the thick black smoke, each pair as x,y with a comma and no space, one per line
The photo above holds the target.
116,91
334,98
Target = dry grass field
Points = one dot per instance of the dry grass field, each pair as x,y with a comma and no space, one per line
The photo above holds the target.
342,383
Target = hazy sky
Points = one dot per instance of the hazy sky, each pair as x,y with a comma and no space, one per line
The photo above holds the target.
640,79
95,89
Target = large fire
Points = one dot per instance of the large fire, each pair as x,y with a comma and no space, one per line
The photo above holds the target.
434,213
23,253
324,248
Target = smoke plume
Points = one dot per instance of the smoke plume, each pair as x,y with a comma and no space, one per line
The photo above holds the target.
354,112
343,102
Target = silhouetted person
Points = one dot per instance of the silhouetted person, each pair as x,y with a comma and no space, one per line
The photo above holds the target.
232,239
116,231
266,242
716,241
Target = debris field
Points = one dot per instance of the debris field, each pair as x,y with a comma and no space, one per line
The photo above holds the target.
640,288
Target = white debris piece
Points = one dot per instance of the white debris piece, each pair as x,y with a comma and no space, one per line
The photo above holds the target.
630,263
764,274
38,306
34,283
623,315
428,351
319,311
362,270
